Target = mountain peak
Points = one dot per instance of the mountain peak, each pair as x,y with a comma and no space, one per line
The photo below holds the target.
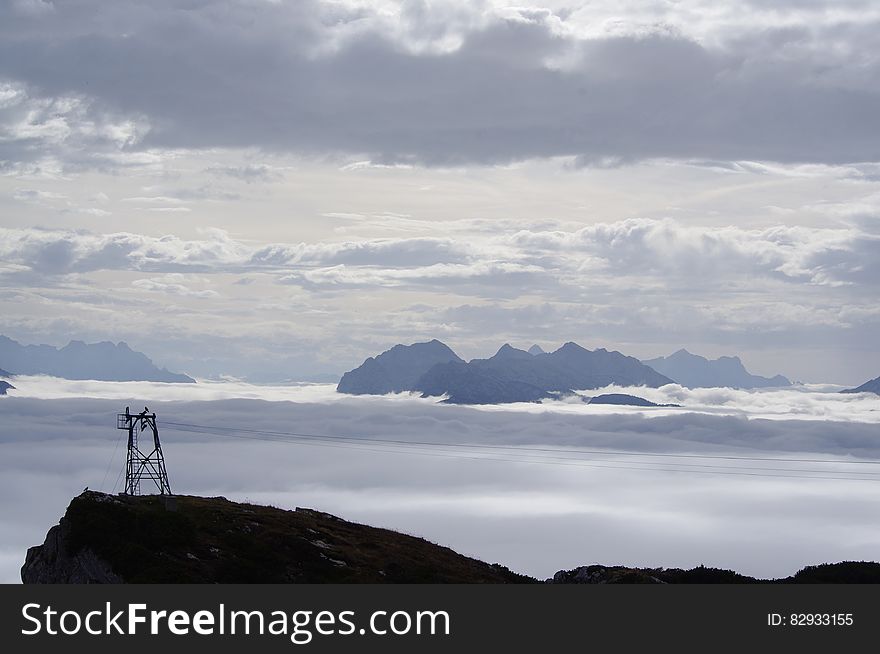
536,349
396,369
507,351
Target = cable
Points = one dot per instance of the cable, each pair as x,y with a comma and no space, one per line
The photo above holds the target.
386,446
558,458
523,448
110,462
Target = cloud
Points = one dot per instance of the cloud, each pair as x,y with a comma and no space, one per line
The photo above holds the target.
249,173
41,135
535,517
689,253
664,250
448,83
172,284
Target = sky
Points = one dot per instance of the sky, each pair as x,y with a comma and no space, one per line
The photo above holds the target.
575,501
276,190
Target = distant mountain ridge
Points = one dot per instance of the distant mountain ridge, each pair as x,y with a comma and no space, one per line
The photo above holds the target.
872,386
396,370
103,361
694,371
511,375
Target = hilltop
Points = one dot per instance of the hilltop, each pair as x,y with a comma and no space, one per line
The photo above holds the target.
124,539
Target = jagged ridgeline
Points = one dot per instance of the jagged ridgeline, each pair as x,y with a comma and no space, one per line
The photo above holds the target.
511,375
103,361
694,371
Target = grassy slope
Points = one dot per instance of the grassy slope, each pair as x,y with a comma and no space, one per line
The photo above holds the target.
209,540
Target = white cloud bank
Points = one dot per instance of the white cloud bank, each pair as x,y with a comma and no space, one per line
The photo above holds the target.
810,403
525,511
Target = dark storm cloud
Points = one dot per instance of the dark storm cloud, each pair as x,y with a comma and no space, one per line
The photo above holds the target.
321,78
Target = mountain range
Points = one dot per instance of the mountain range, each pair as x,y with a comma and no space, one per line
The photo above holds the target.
694,371
511,375
103,361
872,386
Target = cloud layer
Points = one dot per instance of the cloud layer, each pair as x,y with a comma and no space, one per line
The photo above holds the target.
442,83
534,517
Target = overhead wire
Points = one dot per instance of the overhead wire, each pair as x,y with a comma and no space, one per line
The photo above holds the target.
537,455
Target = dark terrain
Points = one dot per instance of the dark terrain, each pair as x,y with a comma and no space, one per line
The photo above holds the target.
184,539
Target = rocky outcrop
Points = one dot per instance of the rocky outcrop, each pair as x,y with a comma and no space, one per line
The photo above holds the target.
54,563
5,386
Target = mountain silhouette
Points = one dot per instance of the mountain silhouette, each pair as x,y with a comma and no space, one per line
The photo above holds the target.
694,371
872,386
621,399
511,375
103,361
396,370
5,386
536,349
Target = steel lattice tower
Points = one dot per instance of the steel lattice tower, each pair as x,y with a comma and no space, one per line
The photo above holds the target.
140,466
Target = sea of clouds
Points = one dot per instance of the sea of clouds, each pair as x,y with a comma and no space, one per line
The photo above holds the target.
595,492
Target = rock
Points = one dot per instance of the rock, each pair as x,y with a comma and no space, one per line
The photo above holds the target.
52,563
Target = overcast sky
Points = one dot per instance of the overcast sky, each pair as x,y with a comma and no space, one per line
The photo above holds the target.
279,189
